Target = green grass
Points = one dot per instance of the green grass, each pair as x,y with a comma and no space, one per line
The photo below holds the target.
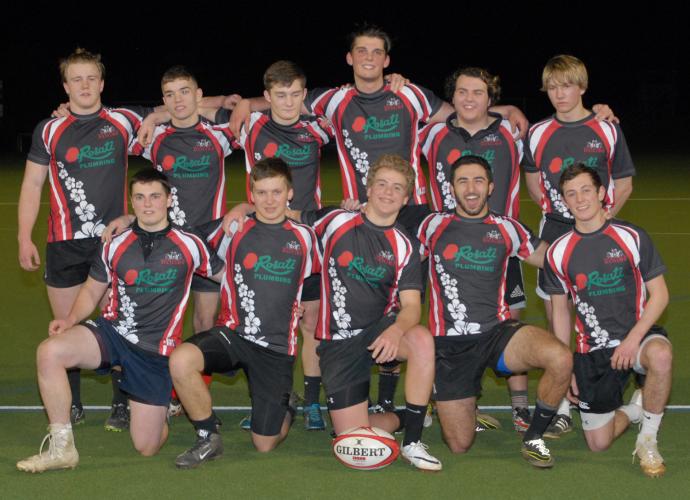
303,467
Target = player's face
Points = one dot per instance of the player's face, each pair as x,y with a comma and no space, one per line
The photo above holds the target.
368,58
583,199
471,188
270,197
471,99
150,204
83,85
286,102
565,97
387,193
181,98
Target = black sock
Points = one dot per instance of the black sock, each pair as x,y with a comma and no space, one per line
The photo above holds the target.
414,423
541,419
312,388
74,379
119,397
388,382
206,426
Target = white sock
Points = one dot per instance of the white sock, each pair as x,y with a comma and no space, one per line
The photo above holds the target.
564,408
633,412
650,424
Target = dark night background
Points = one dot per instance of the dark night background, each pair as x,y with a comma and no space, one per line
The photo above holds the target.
637,58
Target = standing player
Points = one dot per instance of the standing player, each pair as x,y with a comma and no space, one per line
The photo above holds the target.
474,130
469,317
84,155
615,278
572,135
150,267
370,309
266,264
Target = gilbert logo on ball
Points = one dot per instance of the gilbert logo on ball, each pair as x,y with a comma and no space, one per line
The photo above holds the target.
365,448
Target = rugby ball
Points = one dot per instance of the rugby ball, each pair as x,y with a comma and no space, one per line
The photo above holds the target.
365,448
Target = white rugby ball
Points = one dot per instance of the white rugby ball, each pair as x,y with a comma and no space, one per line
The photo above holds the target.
365,448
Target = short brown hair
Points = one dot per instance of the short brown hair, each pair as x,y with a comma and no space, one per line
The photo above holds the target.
177,73
577,169
565,68
493,83
270,167
81,56
147,175
396,163
283,73
371,31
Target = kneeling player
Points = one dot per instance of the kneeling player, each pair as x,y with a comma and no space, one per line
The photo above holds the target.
369,261
150,267
615,278
470,319
266,264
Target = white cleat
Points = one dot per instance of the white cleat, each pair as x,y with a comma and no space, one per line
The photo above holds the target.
416,454
61,452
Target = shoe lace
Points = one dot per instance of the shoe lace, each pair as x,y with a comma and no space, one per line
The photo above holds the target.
648,453
540,446
56,441
419,447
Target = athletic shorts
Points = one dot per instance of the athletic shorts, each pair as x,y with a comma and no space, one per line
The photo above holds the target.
203,284
515,286
269,374
145,375
311,289
601,387
346,365
68,262
550,229
460,364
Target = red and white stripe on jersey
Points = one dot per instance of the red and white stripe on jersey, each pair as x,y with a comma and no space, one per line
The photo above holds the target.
539,135
110,256
512,206
629,241
58,200
609,136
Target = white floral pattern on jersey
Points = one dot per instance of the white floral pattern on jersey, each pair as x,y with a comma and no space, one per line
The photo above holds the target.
359,157
448,199
126,326
84,210
257,156
340,315
557,203
599,335
252,323
177,215
457,310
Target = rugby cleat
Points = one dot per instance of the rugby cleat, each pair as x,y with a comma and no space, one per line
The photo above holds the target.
61,451
246,423
560,424
521,419
76,414
174,408
208,446
416,454
486,423
537,454
313,419
118,420
428,418
651,461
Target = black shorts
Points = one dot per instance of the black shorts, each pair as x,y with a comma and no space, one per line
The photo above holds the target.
515,286
346,365
549,231
311,289
601,387
145,375
203,284
460,364
269,374
68,262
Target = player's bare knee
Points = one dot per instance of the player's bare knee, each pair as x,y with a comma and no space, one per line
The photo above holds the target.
48,353
659,357
598,443
147,449
265,445
457,445
421,343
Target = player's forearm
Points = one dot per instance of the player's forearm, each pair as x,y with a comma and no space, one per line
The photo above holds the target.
28,207
532,182
622,189
87,300
442,114
655,307
537,258
561,318
409,316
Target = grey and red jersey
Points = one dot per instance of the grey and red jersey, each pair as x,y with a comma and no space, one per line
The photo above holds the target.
367,126
265,267
151,275
444,143
605,273
554,145
467,269
299,145
364,268
193,158
86,156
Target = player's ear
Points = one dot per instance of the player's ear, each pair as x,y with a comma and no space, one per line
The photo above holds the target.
491,188
100,87
267,95
291,195
168,202
348,58
387,61
601,194
199,95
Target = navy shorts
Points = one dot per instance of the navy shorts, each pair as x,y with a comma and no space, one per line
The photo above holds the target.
145,375
269,374
460,364
515,286
346,365
68,262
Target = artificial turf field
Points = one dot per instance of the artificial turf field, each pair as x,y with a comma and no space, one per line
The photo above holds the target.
303,466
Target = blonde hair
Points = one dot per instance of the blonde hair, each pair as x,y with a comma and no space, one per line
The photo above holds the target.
81,56
395,163
564,68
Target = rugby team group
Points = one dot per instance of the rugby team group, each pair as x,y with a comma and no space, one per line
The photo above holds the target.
351,278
